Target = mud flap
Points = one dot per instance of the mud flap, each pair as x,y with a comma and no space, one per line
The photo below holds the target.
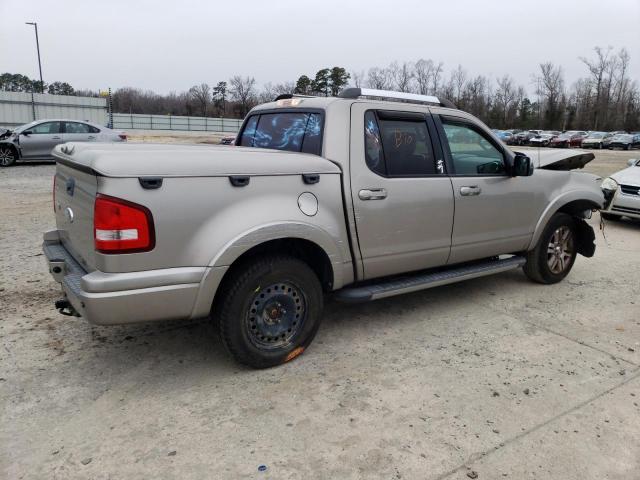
586,238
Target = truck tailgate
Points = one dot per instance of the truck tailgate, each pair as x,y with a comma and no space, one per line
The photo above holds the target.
75,193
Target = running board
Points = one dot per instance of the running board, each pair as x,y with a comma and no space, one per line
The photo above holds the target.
422,281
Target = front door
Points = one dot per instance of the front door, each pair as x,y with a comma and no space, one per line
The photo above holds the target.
494,213
402,197
39,143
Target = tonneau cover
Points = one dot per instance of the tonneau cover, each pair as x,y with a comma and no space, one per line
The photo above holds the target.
148,159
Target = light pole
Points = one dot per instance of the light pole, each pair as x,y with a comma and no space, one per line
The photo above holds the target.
38,47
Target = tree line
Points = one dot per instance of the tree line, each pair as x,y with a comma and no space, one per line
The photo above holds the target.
606,98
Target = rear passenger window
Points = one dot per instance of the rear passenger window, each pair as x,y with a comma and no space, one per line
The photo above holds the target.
398,147
291,131
75,127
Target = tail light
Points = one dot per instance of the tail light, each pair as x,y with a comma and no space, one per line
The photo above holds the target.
55,175
121,226
123,137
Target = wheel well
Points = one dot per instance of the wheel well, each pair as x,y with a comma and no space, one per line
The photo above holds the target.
305,250
584,232
11,147
576,207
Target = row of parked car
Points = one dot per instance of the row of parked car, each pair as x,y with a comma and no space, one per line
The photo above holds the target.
571,139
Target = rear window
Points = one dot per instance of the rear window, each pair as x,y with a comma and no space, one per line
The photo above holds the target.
291,131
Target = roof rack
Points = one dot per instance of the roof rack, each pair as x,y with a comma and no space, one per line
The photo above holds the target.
395,96
287,96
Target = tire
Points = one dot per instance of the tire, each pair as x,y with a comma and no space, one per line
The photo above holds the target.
610,217
269,310
7,156
553,257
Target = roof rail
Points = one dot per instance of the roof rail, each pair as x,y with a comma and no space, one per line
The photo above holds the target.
391,95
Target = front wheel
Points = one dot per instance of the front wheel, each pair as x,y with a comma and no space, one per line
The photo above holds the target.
553,257
7,157
269,310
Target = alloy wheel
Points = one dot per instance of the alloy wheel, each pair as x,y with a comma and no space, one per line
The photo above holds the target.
560,250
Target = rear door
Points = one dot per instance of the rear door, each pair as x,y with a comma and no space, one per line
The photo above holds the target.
494,212
402,197
79,132
39,143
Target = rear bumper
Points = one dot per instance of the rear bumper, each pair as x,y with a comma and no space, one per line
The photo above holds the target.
118,298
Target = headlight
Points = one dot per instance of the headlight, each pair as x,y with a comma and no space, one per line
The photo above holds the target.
609,184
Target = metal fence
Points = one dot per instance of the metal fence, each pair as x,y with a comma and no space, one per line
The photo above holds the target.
18,108
171,122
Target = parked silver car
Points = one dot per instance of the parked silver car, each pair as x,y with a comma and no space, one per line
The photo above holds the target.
35,141
356,196
623,191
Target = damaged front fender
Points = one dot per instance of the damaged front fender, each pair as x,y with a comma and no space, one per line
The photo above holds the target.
586,238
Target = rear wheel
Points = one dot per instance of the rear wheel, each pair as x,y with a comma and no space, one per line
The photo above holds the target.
7,156
553,257
269,310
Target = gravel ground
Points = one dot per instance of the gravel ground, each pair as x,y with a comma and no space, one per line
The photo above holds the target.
496,376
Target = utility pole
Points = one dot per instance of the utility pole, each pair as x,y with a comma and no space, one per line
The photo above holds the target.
38,47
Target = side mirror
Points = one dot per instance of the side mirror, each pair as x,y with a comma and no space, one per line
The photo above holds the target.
634,162
26,133
522,166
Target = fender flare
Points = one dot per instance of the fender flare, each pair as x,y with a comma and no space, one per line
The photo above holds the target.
592,198
277,231
264,233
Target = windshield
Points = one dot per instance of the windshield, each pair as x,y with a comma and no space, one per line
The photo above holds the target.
24,127
291,131
626,138
596,135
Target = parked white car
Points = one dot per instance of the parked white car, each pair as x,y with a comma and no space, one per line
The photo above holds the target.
35,141
623,188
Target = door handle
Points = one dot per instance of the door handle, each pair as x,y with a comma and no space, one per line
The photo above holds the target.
55,138
470,190
91,137
372,194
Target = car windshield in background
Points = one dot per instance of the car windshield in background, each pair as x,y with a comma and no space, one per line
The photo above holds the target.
291,131
596,135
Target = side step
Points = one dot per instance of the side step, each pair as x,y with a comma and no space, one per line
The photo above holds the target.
422,281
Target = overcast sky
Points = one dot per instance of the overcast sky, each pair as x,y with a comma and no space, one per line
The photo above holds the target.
169,46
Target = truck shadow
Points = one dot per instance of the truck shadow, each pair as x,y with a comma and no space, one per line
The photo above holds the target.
188,348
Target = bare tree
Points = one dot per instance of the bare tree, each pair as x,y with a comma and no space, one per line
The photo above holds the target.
598,69
422,71
243,91
201,94
551,90
379,78
458,79
402,76
358,78
505,98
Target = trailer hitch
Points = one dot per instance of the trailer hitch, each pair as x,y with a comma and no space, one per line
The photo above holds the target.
64,307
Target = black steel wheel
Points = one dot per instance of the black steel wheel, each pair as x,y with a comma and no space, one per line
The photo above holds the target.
269,310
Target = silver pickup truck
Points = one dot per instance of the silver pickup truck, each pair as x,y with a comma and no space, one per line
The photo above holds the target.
364,196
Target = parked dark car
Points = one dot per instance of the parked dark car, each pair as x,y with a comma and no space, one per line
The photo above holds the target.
624,142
